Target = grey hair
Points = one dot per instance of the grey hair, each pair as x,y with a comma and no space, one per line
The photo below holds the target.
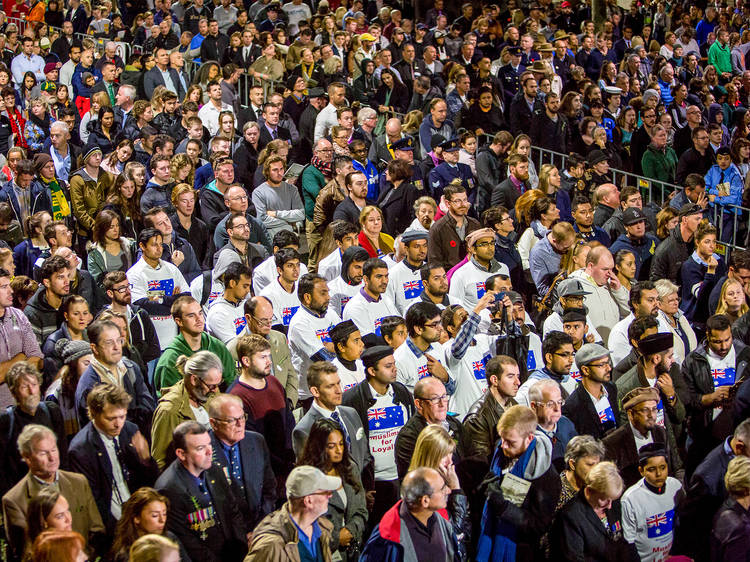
129,90
249,125
30,435
582,446
18,372
365,113
199,364
415,486
217,402
742,433
664,288
536,392
62,125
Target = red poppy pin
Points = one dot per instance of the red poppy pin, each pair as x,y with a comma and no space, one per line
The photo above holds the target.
453,243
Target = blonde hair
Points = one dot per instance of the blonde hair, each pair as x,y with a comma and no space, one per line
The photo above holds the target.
544,173
605,479
364,213
737,477
521,418
433,444
722,308
151,548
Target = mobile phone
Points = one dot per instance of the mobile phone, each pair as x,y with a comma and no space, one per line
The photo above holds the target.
499,296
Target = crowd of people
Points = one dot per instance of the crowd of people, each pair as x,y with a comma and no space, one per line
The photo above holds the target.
335,281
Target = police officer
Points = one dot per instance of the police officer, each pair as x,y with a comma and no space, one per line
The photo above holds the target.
449,170
403,149
510,74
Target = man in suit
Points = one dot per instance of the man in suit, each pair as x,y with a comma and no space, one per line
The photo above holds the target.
270,129
592,406
38,447
381,151
641,405
509,190
243,458
204,512
325,386
107,84
248,52
523,105
162,75
111,452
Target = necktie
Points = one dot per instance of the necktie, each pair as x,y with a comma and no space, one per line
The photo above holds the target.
111,93
121,459
274,134
337,418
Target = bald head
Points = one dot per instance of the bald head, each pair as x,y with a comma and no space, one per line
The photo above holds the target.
393,127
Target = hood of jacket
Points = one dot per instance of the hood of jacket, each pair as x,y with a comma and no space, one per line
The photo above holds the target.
352,253
713,110
39,301
541,457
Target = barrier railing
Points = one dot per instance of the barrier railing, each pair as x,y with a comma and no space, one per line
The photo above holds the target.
731,221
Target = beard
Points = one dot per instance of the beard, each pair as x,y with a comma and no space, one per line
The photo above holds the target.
30,403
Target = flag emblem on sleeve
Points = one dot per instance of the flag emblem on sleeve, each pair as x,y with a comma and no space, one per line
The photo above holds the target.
480,289
239,324
287,313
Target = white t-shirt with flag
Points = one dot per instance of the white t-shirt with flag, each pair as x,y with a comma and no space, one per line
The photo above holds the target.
285,305
723,371
330,266
604,408
384,420
225,320
159,282
368,314
648,519
340,293
404,286
307,335
469,372
349,378
410,368
467,284
267,272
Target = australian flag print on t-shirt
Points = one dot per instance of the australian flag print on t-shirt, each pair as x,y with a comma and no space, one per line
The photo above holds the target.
723,377
478,368
378,322
286,314
606,416
164,287
412,289
480,289
323,336
660,524
389,417
239,324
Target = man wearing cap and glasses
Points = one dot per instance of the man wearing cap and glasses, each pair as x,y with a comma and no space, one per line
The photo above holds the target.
593,406
468,281
571,295
678,246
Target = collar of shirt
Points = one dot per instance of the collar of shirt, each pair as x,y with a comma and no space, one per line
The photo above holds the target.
310,543
269,129
638,434
228,448
368,298
374,393
595,399
415,350
118,374
45,483
325,412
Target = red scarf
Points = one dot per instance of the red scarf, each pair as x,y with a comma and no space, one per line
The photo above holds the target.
325,168
17,124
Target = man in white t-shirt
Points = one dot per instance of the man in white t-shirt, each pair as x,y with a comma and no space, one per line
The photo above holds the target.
226,315
405,282
369,306
348,345
282,291
349,281
468,281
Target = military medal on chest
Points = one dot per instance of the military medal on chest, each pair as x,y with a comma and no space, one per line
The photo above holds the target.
201,519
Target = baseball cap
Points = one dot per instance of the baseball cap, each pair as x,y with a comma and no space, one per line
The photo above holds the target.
307,480
572,288
632,215
690,209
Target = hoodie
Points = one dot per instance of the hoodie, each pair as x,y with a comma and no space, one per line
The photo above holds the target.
428,128
166,374
41,315
157,195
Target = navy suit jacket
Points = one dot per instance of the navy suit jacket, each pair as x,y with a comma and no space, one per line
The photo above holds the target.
153,78
224,542
88,456
258,499
265,136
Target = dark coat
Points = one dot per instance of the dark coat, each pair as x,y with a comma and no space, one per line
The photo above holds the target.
578,534
549,134
153,78
730,538
88,456
505,194
580,410
246,159
265,136
212,207
520,114
620,447
398,206
257,497
669,257
407,439
444,244
360,398
490,172
347,210
225,541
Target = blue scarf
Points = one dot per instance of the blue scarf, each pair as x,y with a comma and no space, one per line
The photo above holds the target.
497,539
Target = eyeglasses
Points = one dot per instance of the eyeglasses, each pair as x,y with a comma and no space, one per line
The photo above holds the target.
485,244
551,404
436,400
233,421
566,355
261,321
434,324
112,343
239,198
122,290
598,365
653,410
209,387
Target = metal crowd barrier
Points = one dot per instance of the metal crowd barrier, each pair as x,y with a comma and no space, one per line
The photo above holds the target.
731,221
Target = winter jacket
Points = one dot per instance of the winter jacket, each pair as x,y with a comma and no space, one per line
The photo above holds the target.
428,128
643,249
444,244
697,381
87,195
697,285
97,260
733,177
276,538
52,359
669,257
480,428
730,537
166,374
390,540
41,315
38,197
212,205
157,195
659,164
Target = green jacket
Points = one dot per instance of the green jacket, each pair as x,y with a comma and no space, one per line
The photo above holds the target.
173,409
313,181
166,374
97,259
659,165
720,57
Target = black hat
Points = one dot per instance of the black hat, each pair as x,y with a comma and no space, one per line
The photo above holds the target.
690,209
596,156
406,143
341,331
372,355
514,51
436,140
514,297
574,315
411,235
651,450
656,343
632,215
451,145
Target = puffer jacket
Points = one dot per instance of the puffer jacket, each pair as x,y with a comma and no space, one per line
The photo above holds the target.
41,315
87,195
276,538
